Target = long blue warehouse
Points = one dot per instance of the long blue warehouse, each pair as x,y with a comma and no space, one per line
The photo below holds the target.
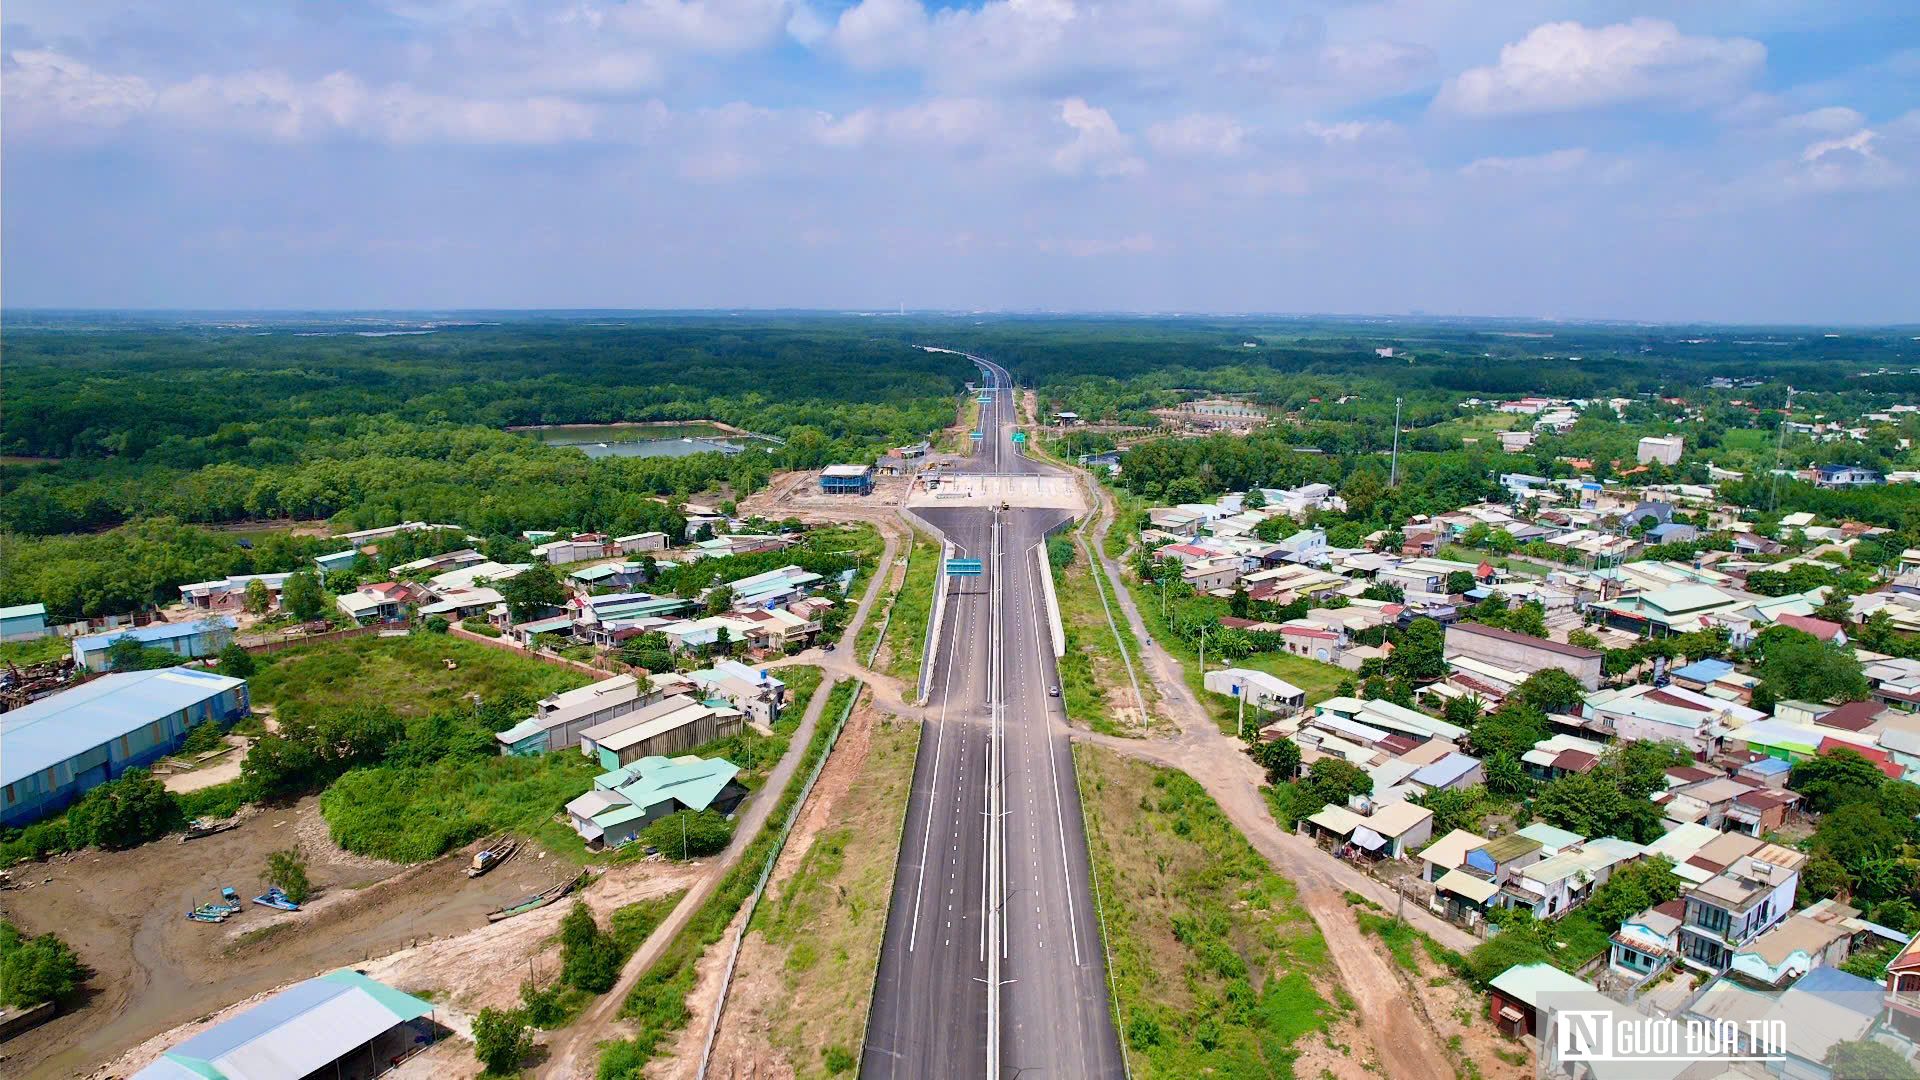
55,749
202,637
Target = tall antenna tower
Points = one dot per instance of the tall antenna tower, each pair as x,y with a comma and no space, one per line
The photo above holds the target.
1393,475
1773,500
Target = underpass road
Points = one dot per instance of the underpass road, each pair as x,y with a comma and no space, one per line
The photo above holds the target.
931,999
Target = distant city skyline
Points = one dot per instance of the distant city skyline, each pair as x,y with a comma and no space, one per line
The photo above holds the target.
1720,162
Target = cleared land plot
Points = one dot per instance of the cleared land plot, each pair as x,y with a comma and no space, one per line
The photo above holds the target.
406,674
1217,968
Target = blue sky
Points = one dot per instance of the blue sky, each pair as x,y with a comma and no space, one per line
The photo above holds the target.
1756,160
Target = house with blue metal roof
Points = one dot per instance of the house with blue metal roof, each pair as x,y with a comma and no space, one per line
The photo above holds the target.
23,622
202,637
303,1029
54,750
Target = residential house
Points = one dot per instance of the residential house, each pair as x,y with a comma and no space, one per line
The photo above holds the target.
1672,533
1304,637
1259,689
754,691
1556,885
1759,811
1841,476
1448,853
1522,652
1797,945
559,719
672,725
1665,449
1705,803
1727,912
1646,943
624,801
1552,840
1402,826
1522,1000
382,601
1829,632
1453,772
23,622
639,542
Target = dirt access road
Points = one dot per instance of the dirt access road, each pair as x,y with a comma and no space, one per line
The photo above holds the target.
1406,1046
124,913
573,1052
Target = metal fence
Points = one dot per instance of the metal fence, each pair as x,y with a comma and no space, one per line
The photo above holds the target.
766,872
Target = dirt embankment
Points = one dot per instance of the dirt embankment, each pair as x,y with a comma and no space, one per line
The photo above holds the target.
795,994
153,969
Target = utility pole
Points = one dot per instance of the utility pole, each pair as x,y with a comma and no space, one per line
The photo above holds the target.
1780,445
1393,475
1239,692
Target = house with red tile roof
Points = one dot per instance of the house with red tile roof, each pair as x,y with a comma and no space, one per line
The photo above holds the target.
1820,628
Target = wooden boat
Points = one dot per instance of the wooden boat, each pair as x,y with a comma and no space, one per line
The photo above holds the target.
497,851
198,828
538,900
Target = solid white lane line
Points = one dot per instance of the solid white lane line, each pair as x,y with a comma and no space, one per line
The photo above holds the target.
939,743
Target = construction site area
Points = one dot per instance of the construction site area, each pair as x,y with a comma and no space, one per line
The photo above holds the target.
158,973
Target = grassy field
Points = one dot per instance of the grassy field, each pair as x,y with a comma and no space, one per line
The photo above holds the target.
408,814
824,925
802,680
912,611
406,674
51,647
1093,675
956,442
1320,681
1217,968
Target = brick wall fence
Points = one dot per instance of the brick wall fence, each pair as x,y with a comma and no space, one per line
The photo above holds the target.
282,644
532,654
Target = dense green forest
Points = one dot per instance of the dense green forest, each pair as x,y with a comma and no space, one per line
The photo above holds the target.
121,432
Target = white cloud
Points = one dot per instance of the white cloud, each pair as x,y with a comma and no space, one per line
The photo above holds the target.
1564,65
1098,144
47,90
53,90
1830,120
1198,134
1548,164
1349,131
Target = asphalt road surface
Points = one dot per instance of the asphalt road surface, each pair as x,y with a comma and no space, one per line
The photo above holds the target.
992,884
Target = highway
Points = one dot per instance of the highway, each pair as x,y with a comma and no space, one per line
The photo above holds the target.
992,963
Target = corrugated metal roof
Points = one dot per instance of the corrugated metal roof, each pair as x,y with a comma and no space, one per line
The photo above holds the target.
22,611
297,1030
155,632
53,729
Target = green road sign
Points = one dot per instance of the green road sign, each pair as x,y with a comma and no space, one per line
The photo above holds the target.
1019,436
975,436
966,567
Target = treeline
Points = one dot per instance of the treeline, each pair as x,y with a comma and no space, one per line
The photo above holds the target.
222,427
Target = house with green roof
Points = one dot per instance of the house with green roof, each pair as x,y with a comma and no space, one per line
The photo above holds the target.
624,801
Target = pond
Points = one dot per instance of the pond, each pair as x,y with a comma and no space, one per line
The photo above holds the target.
644,440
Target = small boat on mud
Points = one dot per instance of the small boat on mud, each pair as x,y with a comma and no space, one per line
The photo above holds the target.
198,828
276,898
538,900
498,850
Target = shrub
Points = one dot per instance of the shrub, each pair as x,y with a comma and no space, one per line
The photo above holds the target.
33,970
589,956
123,813
205,736
837,1059
237,662
689,835
288,870
438,625
501,1040
220,800
479,626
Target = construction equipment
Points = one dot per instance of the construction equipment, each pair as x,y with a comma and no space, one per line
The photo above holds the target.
497,850
276,898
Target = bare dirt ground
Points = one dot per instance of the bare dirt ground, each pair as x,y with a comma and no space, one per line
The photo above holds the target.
214,770
795,994
153,969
